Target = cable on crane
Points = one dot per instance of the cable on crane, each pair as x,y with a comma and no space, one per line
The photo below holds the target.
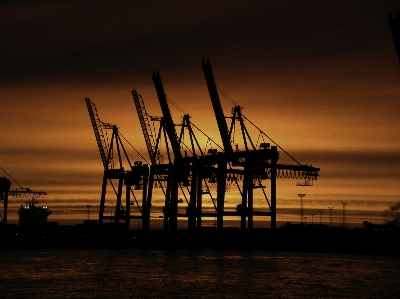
133,148
11,178
209,138
175,104
186,147
272,140
226,96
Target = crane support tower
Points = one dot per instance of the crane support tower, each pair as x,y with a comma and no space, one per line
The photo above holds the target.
5,185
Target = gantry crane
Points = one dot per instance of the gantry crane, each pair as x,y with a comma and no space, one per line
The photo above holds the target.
186,169
152,143
256,164
171,201
196,180
163,172
136,176
6,191
252,164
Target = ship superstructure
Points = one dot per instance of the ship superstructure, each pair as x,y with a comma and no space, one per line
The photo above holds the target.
32,214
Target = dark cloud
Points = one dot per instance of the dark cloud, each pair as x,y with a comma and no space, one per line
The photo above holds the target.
99,40
358,164
395,207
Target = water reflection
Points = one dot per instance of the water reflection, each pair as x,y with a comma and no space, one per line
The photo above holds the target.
137,273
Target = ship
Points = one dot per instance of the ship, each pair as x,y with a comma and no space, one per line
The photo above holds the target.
32,214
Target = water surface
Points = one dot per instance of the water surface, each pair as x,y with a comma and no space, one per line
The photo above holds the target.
139,273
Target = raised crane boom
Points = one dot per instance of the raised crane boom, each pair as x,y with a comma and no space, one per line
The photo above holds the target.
101,138
219,113
394,23
167,118
145,124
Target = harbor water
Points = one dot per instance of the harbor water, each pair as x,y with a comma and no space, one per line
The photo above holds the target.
161,273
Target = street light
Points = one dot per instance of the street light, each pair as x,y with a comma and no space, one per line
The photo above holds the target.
320,216
330,216
312,218
301,207
344,213
88,213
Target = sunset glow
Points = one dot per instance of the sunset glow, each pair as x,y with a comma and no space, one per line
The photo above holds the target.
319,78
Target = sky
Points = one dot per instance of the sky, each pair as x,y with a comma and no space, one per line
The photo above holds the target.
321,78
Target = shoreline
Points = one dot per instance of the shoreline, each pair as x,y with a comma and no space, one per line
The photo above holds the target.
291,238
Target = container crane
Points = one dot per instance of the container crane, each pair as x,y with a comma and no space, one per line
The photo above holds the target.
229,157
6,191
158,171
136,176
180,171
256,164
181,166
171,196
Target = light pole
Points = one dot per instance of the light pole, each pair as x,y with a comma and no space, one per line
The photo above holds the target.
330,215
88,213
344,213
312,218
301,207
320,216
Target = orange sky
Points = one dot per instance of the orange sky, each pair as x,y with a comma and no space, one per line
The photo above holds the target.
320,78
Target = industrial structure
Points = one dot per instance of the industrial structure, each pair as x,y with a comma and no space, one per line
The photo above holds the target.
113,155
192,172
29,213
394,23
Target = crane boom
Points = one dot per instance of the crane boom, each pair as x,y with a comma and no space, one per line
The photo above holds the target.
394,23
219,113
101,138
167,118
145,124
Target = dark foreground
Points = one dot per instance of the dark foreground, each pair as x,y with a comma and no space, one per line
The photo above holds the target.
310,238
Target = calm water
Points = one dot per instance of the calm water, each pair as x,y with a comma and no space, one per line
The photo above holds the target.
138,273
